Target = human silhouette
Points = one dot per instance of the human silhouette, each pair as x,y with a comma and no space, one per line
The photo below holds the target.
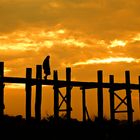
46,66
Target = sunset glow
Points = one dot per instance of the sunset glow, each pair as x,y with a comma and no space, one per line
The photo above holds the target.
107,61
15,86
137,37
116,43
6,70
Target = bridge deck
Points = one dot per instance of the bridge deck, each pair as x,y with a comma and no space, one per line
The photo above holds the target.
63,83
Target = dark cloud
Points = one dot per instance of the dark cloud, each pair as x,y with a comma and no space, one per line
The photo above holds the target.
107,19
133,49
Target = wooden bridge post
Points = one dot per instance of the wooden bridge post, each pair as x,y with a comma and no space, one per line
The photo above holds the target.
28,93
139,91
100,94
68,93
112,111
38,92
128,95
84,103
56,96
1,89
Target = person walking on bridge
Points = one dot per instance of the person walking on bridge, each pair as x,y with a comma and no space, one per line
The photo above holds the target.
46,67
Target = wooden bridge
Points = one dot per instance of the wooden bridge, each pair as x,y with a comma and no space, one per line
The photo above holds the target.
68,84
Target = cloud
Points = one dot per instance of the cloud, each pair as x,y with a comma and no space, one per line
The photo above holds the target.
115,43
107,61
107,19
70,31
69,46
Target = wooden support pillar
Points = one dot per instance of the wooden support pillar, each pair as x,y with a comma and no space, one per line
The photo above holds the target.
38,93
111,90
128,95
56,96
28,93
84,103
139,92
68,93
1,89
100,95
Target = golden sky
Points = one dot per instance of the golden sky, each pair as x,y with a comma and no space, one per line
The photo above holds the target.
87,35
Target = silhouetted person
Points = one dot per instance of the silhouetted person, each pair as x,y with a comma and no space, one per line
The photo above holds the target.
46,66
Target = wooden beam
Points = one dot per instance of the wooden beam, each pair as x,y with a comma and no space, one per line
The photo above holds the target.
56,96
38,93
1,89
139,91
100,94
68,93
63,83
112,112
128,94
84,103
28,88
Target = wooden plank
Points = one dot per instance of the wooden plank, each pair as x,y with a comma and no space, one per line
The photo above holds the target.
1,89
28,88
63,83
38,93
121,111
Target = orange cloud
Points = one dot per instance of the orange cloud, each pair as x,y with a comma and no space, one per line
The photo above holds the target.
108,61
116,43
